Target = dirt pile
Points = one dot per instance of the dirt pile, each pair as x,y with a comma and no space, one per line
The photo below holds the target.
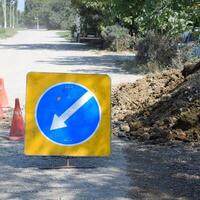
134,97
159,108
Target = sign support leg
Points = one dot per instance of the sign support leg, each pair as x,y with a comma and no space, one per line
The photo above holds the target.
68,166
68,159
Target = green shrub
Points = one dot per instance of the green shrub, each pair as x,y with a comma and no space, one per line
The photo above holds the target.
196,35
2,31
116,38
5,33
163,18
157,50
65,34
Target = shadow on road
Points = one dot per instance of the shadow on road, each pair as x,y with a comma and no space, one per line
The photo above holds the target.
67,46
164,172
26,181
134,171
19,160
98,63
115,64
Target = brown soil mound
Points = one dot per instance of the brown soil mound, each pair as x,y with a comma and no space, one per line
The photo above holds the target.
159,108
134,97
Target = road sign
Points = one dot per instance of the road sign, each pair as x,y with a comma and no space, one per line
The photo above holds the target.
67,114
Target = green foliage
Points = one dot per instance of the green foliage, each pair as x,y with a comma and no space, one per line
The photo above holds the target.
61,14
111,10
5,33
54,14
90,21
35,9
116,38
163,18
156,49
65,34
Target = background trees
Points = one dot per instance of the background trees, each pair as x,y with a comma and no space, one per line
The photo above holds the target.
9,13
156,27
52,14
162,16
168,16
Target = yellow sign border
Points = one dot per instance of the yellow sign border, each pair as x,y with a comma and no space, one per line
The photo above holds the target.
35,142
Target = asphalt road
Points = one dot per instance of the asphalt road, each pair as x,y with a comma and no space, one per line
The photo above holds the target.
45,51
133,171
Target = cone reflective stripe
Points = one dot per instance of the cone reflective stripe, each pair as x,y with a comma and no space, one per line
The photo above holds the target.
17,127
3,95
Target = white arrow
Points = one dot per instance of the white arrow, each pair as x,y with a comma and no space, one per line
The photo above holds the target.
59,122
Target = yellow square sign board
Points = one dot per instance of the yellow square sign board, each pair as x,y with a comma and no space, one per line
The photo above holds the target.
68,114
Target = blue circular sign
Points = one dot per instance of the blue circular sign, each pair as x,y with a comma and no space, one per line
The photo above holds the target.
68,114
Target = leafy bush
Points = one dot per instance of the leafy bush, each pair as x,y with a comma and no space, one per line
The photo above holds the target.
157,50
163,18
116,38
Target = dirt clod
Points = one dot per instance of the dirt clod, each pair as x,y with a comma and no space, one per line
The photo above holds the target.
125,127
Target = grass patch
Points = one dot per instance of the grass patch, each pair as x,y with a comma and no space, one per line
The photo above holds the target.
65,34
5,33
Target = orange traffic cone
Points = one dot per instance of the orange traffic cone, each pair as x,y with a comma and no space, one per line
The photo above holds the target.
17,127
3,95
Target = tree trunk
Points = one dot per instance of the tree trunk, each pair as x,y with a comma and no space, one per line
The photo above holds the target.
4,13
13,16
38,24
10,15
